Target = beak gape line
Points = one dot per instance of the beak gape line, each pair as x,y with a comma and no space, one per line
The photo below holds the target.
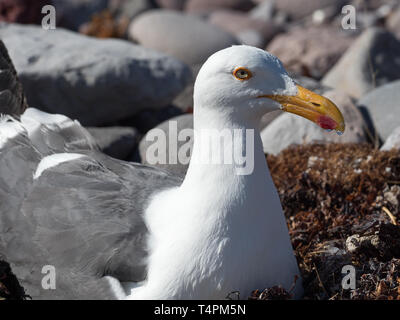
313,107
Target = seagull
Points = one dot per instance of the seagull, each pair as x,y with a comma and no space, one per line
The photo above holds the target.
78,224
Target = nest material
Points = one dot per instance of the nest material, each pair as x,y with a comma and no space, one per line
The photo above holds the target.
342,207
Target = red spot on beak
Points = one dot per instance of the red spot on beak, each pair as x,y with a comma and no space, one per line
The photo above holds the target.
326,122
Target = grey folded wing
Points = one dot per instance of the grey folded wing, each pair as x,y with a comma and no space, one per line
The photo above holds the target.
83,217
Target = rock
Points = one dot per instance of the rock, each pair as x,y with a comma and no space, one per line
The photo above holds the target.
382,106
324,15
94,81
202,6
251,38
236,22
310,84
309,51
183,36
383,243
356,243
370,62
393,23
176,164
184,100
149,118
12,99
171,4
392,141
302,8
290,129
129,8
22,11
264,11
117,142
71,14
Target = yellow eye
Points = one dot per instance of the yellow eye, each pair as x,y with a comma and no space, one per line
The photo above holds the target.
242,74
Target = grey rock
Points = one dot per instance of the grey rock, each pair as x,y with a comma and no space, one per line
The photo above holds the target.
290,129
393,141
117,142
264,11
171,164
372,60
251,38
72,14
383,108
12,98
311,84
185,37
149,118
92,80
184,100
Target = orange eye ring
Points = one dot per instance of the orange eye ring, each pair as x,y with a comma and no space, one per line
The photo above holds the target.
242,74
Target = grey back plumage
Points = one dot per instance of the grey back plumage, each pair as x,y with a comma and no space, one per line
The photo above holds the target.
84,217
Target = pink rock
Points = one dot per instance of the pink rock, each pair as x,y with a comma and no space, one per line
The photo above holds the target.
22,11
236,22
204,6
310,51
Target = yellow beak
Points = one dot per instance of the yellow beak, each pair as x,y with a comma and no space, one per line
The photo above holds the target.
313,107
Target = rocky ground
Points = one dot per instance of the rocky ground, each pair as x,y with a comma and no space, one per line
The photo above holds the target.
123,67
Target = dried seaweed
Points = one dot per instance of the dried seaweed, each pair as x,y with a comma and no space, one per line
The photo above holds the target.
337,192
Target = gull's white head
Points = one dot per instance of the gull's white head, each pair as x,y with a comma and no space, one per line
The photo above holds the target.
244,82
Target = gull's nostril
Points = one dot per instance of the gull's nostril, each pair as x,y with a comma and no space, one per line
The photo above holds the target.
316,104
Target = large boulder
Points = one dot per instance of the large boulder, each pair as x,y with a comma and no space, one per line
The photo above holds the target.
94,81
185,37
12,99
370,62
309,50
382,106
290,129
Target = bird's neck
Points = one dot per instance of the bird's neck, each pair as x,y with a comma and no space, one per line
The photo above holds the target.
227,157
